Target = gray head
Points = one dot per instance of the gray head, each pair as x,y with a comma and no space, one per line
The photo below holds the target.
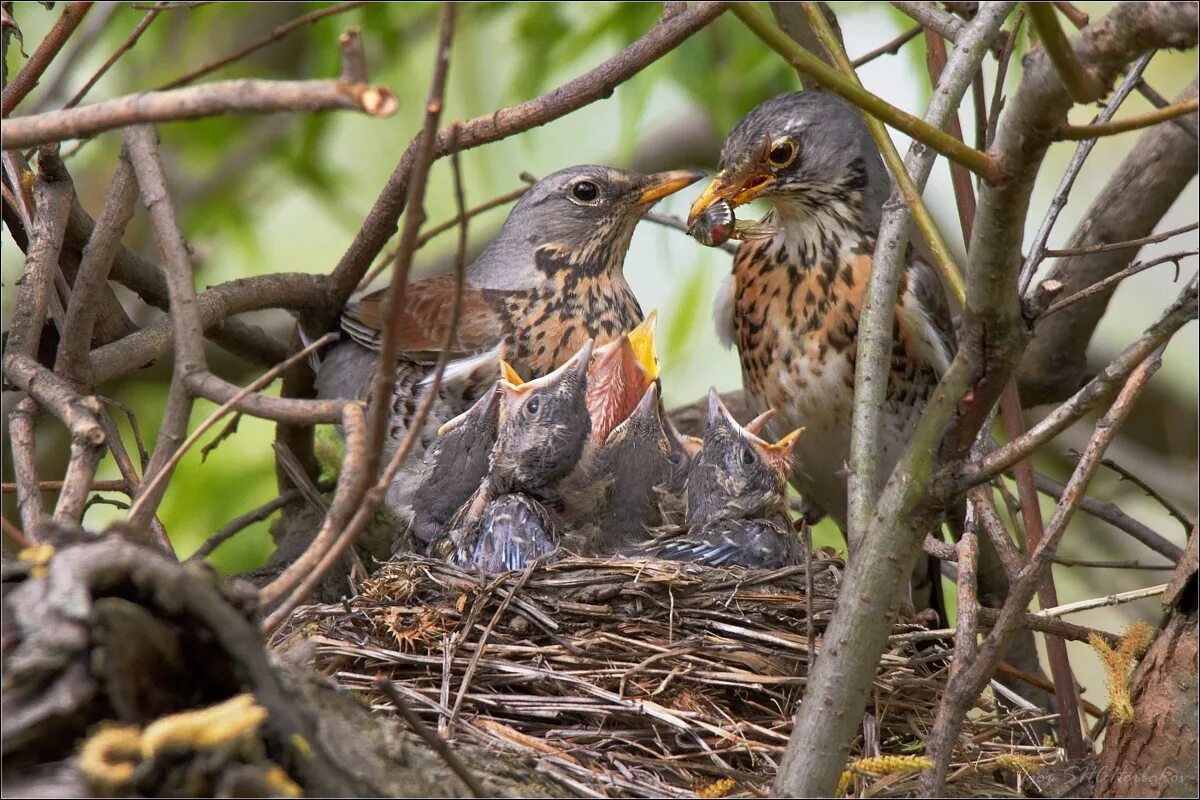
580,217
544,424
803,151
737,475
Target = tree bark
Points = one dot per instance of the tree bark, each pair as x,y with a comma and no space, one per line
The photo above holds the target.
1156,754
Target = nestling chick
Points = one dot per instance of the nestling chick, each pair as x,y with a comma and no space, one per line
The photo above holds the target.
626,471
543,427
455,464
736,499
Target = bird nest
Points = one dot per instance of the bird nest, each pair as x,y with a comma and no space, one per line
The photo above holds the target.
634,678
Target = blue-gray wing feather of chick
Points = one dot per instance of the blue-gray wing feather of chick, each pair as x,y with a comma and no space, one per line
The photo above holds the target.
754,543
515,530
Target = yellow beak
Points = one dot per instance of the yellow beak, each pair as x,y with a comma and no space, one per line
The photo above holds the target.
734,192
661,184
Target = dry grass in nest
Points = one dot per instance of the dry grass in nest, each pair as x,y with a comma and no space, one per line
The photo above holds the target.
633,678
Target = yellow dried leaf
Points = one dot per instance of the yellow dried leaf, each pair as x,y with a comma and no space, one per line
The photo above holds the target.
718,788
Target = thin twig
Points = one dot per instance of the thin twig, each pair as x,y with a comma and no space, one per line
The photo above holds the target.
1003,60
23,82
302,576
1126,245
1116,277
1102,602
1113,515
433,740
1172,509
888,48
251,96
125,47
235,526
1059,201
1095,131
23,443
274,36
150,487
1128,564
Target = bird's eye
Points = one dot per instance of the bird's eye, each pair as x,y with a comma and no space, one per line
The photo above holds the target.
782,153
747,455
533,405
585,191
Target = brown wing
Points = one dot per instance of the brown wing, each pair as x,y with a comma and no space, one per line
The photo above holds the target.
426,317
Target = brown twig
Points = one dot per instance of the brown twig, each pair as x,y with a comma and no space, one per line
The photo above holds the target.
1111,247
54,486
1031,515
23,82
593,85
274,36
414,216
158,532
888,48
92,277
1002,61
236,526
1116,277
1172,509
52,204
24,464
241,96
1080,132
148,489
124,48
1132,563
433,740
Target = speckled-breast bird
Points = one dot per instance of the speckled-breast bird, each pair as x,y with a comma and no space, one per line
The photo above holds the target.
543,428
736,512
793,302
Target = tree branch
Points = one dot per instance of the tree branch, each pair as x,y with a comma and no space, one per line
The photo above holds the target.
29,74
1082,85
1078,132
242,96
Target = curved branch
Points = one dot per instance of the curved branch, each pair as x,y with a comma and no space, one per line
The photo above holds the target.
27,78
295,290
243,96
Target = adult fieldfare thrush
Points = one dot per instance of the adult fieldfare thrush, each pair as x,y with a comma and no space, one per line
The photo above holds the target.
736,499
793,303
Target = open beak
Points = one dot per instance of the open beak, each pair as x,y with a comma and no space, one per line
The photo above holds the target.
657,186
734,190
641,339
779,455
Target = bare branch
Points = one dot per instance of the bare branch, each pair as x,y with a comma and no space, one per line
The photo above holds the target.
52,204
124,48
274,36
1081,83
29,74
92,276
1078,132
888,48
24,454
1117,277
242,96
1126,245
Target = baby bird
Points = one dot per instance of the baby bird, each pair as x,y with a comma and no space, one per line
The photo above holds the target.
543,427
454,466
736,499
620,483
